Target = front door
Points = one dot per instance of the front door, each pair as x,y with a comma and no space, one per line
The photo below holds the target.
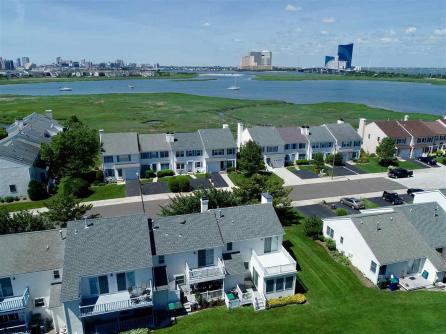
222,165
154,167
415,267
6,287
190,166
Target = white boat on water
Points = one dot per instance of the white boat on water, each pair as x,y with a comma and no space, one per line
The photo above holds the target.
131,87
234,86
65,89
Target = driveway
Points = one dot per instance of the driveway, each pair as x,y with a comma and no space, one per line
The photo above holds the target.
379,201
289,178
153,188
132,188
354,168
318,210
218,181
428,179
305,174
200,183
342,188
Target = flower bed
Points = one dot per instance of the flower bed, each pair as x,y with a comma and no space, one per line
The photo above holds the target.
294,299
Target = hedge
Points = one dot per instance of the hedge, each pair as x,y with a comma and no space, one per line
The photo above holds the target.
294,299
165,172
179,184
36,190
302,162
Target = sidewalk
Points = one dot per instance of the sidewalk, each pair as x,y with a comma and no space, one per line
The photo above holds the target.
289,178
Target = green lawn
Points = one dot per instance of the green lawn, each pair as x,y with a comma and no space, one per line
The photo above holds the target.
22,205
337,303
315,76
160,112
369,204
238,178
373,166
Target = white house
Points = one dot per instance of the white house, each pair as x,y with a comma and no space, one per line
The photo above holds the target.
19,153
438,196
396,241
296,143
347,140
31,273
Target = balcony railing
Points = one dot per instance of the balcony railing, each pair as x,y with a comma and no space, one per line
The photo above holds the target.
18,329
205,273
245,297
276,269
119,301
212,295
15,302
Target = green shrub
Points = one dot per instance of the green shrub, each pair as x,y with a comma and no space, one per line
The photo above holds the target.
2,200
74,186
230,169
36,190
313,227
302,162
338,159
318,160
165,172
294,299
9,199
150,174
341,212
179,184
443,161
99,176
90,176
331,244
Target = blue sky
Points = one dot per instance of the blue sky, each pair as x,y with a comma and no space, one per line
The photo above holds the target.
219,32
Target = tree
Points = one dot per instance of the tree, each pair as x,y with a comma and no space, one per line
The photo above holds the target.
183,204
22,221
386,151
74,186
36,190
3,133
251,159
313,227
318,160
72,151
338,159
65,207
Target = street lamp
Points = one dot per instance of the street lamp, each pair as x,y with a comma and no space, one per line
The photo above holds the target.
140,192
333,163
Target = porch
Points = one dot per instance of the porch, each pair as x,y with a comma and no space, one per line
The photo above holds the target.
203,274
415,282
119,301
14,303
275,263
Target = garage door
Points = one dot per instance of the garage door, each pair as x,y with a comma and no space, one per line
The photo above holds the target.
130,174
404,154
213,167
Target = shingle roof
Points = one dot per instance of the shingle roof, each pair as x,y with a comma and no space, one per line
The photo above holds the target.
392,238
107,245
291,135
320,134
153,142
187,141
217,138
266,136
430,221
36,125
435,127
234,264
17,148
416,128
392,129
31,252
120,143
343,132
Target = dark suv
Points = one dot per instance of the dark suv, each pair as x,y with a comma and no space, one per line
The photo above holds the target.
428,160
396,173
392,197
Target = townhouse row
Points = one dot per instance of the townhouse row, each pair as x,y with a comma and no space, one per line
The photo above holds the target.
413,138
403,245
106,275
127,155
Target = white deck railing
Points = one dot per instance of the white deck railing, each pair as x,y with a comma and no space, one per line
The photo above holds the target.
202,274
278,269
15,302
212,295
245,297
19,329
118,302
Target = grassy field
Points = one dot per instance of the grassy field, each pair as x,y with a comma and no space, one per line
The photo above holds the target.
239,178
158,112
315,76
176,76
337,303
373,166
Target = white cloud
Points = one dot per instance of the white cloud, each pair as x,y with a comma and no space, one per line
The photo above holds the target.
324,32
411,30
206,24
440,32
328,20
388,39
292,8
237,40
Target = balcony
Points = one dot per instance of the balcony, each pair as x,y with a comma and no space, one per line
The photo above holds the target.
206,273
14,303
119,301
275,263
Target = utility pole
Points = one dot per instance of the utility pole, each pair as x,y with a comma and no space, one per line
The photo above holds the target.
140,193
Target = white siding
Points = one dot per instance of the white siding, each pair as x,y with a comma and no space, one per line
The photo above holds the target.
12,173
371,134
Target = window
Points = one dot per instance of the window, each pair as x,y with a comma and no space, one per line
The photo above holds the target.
230,151
12,188
39,302
302,146
346,144
279,283
287,146
121,282
179,279
198,164
149,155
378,139
109,172
6,287
130,279
165,166
93,283
108,158
229,246
103,284
56,274
124,158
269,286
119,172
272,149
315,145
289,282
205,257
342,240
382,270
373,267
255,277
218,152
194,153
271,244
179,154
180,166
161,259
357,143
164,154
330,232
294,146
267,245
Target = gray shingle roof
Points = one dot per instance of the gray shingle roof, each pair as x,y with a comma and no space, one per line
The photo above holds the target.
36,125
343,132
392,238
187,141
291,135
266,136
153,142
234,264
209,229
27,252
120,143
217,138
430,221
320,134
443,191
19,149
108,245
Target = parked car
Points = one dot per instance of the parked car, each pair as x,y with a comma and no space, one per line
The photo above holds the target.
352,202
392,197
412,191
397,173
428,160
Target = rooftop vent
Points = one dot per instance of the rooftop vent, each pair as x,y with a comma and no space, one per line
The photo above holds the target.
378,227
183,222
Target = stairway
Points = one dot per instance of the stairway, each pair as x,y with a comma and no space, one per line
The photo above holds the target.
187,307
258,301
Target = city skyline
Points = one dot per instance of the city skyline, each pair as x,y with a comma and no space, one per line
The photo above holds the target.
299,33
